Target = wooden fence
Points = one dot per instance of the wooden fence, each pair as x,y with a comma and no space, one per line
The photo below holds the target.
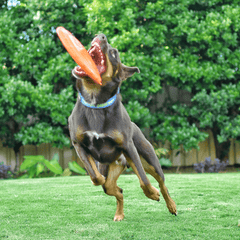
66,155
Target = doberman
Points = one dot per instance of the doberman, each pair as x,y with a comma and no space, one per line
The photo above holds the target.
102,133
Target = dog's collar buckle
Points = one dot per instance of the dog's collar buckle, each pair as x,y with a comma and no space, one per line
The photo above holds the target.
99,106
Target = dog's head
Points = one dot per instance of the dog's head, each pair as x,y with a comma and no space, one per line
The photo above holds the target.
107,61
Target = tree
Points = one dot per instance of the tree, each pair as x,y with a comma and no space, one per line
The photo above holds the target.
35,85
192,45
204,55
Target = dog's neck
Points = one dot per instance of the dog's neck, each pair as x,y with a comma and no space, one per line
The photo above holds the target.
107,104
94,94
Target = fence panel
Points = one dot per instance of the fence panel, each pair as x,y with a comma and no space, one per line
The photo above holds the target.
207,148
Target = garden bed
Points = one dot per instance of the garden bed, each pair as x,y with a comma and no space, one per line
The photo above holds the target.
190,169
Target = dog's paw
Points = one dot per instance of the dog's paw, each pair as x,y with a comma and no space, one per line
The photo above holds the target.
155,194
118,218
172,207
151,192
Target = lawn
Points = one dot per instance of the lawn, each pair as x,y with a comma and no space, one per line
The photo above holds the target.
72,208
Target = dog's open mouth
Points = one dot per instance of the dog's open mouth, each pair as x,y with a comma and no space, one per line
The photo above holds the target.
98,57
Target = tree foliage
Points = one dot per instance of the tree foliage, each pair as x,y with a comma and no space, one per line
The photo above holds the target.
190,44
35,87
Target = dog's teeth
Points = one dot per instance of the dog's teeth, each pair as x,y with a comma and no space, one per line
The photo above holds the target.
96,44
91,50
102,62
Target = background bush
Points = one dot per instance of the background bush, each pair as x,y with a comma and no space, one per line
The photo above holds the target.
38,166
192,45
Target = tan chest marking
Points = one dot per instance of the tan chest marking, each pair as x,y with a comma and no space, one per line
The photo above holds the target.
118,137
79,134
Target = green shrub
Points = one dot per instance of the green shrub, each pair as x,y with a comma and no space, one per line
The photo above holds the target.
163,154
37,166
165,162
76,168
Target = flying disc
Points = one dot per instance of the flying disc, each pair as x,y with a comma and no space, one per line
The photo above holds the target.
79,54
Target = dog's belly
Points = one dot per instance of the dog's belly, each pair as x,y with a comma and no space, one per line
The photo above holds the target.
101,146
106,155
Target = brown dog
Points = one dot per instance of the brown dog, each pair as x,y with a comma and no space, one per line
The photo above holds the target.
103,135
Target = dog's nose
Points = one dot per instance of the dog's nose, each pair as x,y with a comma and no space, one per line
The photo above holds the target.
101,40
101,37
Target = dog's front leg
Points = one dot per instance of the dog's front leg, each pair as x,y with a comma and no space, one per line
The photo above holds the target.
90,165
135,163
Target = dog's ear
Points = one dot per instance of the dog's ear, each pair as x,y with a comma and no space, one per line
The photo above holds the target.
126,72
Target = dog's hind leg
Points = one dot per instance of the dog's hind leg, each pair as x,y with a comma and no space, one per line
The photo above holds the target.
134,161
169,202
110,186
152,166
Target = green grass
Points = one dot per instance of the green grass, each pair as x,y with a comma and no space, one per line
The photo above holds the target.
72,208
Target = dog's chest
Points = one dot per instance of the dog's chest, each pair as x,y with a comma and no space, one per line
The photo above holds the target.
103,147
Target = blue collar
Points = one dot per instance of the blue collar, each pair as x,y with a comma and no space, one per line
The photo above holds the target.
102,105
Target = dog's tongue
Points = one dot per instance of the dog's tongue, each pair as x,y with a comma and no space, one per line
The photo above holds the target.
98,57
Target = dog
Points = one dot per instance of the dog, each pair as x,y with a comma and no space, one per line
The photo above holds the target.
101,131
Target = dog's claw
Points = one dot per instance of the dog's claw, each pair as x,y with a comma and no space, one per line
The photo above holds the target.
172,207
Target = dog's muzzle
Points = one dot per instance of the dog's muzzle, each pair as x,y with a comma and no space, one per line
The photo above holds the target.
98,57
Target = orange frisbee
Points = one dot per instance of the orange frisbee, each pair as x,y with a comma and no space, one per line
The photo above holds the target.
79,54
